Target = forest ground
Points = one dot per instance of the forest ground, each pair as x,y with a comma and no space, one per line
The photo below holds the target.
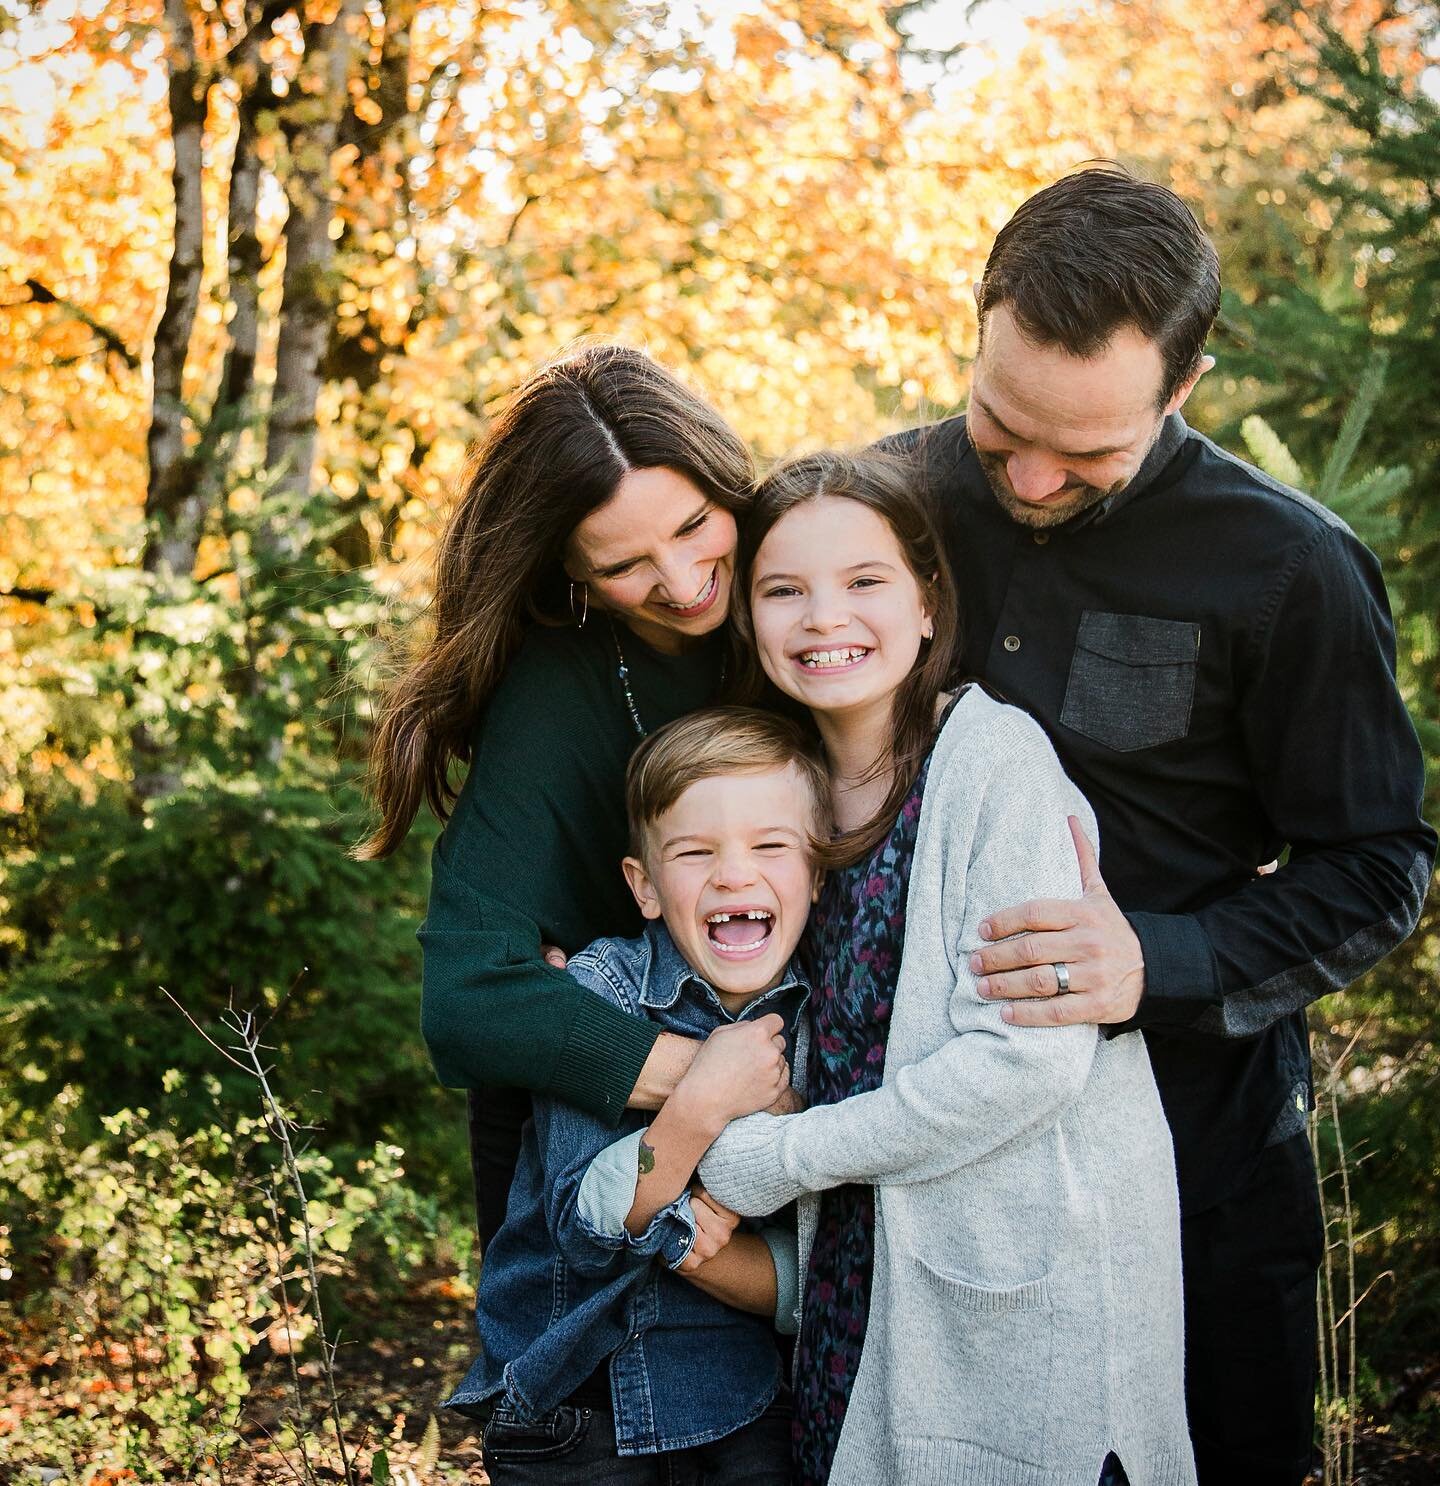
418,1343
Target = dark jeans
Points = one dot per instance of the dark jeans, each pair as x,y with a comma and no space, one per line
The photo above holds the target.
1250,1324
575,1446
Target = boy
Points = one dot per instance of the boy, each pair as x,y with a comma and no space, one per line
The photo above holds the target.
603,1364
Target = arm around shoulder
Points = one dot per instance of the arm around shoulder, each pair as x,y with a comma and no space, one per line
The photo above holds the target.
494,1014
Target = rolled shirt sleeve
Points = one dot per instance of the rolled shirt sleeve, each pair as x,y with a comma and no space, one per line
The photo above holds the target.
1339,773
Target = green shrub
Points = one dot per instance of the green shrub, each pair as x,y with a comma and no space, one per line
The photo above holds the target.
141,1270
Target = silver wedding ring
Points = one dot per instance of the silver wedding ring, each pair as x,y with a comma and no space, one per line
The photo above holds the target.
1062,977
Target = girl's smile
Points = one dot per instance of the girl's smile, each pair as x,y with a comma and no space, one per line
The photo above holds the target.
838,616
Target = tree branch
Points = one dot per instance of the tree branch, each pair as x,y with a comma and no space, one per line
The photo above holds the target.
110,339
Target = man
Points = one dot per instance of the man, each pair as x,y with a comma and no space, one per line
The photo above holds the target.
1213,656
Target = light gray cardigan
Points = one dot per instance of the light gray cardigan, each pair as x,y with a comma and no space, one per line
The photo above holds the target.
1025,1315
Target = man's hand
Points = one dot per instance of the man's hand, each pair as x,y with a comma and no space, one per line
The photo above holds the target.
1089,936
552,954
714,1224
739,1069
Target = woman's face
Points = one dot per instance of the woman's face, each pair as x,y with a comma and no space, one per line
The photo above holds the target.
659,554
838,615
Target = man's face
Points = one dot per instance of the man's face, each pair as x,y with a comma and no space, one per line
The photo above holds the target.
1057,433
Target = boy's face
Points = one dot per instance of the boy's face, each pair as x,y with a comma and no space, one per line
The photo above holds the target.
728,868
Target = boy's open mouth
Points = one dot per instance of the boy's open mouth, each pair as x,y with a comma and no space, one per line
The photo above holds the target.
740,933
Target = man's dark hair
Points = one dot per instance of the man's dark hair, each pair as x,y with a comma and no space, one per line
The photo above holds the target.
1101,249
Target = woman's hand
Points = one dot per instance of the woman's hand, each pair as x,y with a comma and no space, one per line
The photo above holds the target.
714,1225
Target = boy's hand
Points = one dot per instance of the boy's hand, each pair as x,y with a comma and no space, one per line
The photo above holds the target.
553,955
714,1224
739,1069
791,1101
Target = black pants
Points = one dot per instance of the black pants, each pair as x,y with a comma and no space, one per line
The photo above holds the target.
1250,1268
496,1117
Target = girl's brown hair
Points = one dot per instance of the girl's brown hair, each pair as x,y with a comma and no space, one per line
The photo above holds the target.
557,452
887,485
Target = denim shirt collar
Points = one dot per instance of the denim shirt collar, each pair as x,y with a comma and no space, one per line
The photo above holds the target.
667,973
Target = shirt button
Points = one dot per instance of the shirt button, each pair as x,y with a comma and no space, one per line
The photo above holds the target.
1012,643
1041,537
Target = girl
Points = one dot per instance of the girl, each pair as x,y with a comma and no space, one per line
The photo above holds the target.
992,1289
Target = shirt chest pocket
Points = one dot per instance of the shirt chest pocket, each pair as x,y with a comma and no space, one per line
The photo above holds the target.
1132,680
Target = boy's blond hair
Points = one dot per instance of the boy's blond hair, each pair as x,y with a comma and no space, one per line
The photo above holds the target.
715,742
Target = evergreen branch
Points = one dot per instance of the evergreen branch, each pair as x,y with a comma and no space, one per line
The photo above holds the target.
1352,426
1268,450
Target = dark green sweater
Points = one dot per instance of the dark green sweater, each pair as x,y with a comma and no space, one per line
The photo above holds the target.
531,856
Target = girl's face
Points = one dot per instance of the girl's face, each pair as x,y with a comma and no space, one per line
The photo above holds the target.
659,554
838,615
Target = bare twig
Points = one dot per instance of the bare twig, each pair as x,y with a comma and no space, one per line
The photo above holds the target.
243,1024
208,1038
289,1334
245,1055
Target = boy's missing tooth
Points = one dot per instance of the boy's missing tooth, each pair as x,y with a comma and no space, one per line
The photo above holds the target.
615,1296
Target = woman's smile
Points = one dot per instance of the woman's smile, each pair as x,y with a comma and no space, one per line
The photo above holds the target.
701,603
658,555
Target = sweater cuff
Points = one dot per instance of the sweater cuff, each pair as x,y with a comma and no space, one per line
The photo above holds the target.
600,1063
1181,977
744,1168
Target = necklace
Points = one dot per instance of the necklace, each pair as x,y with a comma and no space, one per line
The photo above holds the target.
623,671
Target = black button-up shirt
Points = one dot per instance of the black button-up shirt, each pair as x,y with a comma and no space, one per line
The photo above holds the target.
1213,657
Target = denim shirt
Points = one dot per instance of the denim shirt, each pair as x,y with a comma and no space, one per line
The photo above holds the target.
559,1295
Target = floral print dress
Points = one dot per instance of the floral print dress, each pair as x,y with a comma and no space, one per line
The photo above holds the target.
851,953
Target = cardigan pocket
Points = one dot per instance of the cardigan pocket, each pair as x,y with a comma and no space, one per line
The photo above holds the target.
976,1339
1132,680
1032,1295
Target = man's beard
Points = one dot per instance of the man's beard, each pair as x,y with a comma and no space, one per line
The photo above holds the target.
1048,513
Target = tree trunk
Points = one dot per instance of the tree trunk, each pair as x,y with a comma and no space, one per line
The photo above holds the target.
174,509
237,379
379,197
309,258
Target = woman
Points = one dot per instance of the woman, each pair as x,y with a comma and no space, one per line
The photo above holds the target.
996,1223
580,598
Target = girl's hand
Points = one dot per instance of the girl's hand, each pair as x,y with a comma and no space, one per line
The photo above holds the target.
714,1225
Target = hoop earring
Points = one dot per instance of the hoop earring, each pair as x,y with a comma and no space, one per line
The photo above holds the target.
584,613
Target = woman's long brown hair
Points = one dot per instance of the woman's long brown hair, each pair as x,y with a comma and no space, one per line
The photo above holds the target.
556,453
889,486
